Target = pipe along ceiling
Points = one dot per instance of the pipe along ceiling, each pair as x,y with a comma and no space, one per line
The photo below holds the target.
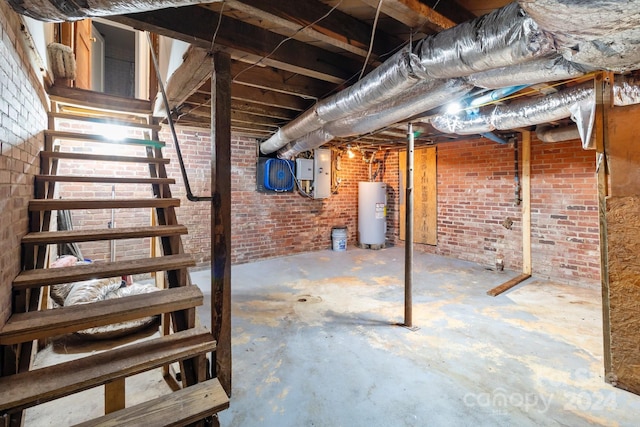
523,43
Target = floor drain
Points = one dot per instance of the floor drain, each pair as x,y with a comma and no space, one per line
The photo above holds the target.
302,300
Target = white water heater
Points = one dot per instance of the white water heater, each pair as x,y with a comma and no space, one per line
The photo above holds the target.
372,213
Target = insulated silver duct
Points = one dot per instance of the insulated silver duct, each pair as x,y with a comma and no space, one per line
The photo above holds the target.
533,111
64,10
557,134
547,69
506,36
399,73
422,97
626,91
598,33
522,113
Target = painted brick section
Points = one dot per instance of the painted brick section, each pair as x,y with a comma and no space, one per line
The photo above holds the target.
476,196
22,120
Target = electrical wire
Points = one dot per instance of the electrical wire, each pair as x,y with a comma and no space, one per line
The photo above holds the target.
215,33
287,39
373,34
295,179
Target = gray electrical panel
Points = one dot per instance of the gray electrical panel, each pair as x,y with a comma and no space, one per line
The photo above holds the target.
304,169
321,173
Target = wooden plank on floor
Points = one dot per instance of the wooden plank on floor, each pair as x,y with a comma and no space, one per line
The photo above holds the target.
180,408
70,236
33,325
70,204
52,382
508,285
55,276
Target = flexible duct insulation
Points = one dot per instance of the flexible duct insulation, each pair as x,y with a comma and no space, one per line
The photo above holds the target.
547,69
423,97
505,36
598,33
399,73
64,10
529,112
559,134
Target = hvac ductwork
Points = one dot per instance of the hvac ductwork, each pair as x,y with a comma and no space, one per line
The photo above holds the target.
548,69
534,111
557,134
506,36
594,33
64,10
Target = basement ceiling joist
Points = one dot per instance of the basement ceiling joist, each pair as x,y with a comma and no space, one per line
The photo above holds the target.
286,55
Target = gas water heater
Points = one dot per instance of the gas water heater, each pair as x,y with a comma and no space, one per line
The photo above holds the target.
372,213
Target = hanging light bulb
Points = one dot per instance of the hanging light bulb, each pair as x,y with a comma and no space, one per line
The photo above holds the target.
350,152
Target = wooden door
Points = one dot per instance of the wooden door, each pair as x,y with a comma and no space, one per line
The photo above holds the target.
425,202
82,48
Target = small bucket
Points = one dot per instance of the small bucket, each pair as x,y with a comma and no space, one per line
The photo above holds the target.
339,238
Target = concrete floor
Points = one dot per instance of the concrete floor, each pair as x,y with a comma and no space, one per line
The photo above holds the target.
315,343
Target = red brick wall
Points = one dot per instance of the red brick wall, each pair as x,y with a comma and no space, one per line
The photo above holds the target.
476,195
22,120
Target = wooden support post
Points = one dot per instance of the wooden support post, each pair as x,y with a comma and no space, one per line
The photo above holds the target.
526,203
408,243
114,395
221,217
603,104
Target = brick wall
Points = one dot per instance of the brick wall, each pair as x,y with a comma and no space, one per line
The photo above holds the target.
478,219
22,120
476,197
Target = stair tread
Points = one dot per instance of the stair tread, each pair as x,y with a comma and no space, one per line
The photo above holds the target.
31,388
104,120
24,327
104,179
179,408
70,236
102,157
57,134
70,204
98,100
56,276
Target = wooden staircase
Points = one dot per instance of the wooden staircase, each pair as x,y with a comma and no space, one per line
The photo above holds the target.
181,340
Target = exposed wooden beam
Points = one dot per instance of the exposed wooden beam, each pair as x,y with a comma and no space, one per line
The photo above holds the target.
241,117
270,78
196,25
336,28
414,14
269,98
221,219
190,75
454,11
